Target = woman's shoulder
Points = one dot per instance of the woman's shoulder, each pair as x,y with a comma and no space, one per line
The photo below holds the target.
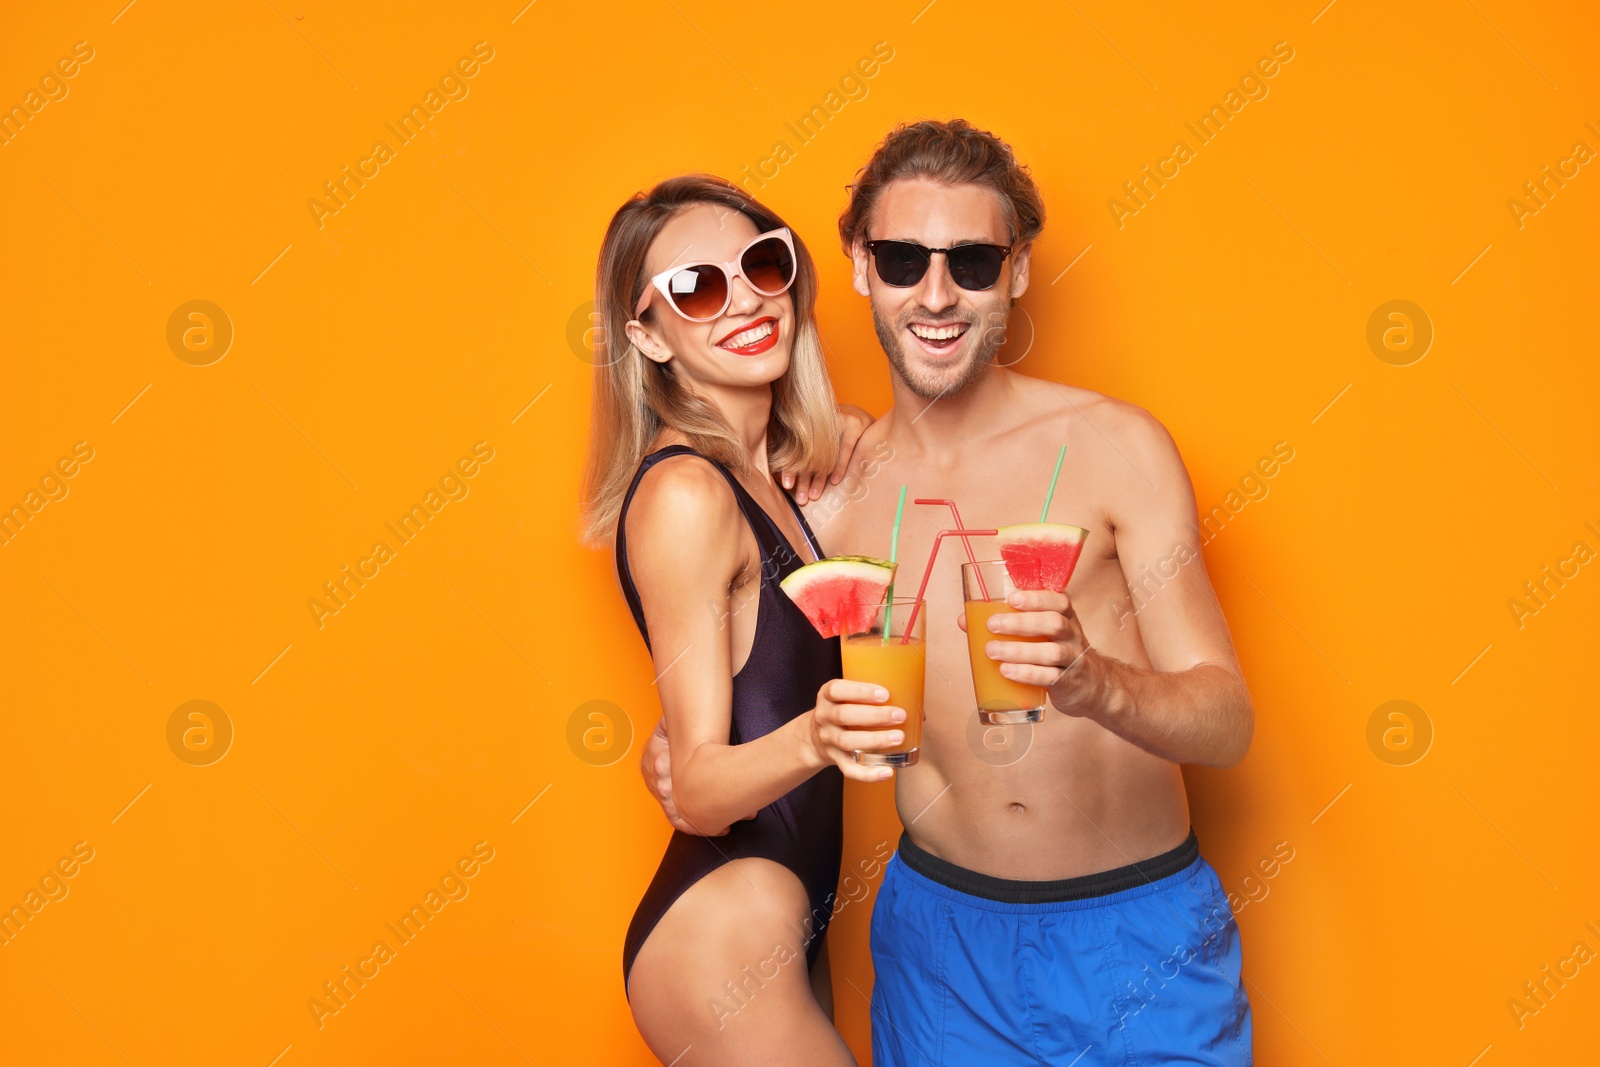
682,496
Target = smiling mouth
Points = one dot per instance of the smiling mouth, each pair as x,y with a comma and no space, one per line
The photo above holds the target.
938,337
752,340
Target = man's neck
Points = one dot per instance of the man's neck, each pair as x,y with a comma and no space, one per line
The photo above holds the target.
944,428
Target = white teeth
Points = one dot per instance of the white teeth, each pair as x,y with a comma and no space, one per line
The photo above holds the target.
750,336
942,333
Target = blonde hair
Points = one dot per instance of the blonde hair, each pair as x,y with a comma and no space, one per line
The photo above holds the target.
636,398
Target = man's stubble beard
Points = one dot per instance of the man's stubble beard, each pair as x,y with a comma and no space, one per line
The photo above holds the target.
891,336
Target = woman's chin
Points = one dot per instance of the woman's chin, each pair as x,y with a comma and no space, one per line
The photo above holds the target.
763,369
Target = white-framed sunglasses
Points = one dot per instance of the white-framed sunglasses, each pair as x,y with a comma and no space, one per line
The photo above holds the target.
702,291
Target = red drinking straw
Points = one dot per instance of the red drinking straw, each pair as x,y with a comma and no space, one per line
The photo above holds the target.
927,573
971,557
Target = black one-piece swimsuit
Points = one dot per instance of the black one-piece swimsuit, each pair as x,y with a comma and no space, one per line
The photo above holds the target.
788,663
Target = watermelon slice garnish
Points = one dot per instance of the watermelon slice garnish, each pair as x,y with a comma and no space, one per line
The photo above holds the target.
1041,555
840,594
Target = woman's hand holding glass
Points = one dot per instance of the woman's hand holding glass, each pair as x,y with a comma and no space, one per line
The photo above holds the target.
852,717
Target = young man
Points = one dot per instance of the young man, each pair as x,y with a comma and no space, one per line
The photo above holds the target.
1048,900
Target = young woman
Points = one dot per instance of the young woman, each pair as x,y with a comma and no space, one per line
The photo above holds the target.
713,378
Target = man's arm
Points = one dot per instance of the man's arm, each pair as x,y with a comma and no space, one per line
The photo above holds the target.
655,764
853,422
1191,705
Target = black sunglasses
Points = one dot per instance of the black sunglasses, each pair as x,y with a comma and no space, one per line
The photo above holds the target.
902,264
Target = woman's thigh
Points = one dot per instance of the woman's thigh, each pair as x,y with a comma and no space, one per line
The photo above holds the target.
722,978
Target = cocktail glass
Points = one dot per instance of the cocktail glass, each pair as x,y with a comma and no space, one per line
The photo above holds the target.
1001,701
884,657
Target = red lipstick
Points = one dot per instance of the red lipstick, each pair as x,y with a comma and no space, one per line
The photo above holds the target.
755,348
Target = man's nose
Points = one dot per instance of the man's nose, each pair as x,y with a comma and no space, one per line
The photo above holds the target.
937,290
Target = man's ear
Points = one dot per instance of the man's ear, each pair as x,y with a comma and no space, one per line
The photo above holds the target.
1021,260
647,342
862,257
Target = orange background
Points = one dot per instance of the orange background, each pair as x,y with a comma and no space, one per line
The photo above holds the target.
432,710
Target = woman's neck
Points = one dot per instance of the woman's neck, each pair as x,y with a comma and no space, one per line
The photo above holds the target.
747,411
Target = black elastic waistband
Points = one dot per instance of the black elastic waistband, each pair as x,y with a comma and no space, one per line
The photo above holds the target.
1015,891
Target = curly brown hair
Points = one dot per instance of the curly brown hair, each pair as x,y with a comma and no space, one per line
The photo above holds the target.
955,153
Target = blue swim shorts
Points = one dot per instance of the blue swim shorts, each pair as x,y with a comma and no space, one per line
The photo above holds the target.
1137,965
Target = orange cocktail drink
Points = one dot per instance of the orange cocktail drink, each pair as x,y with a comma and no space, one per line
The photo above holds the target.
1001,701
883,657
1038,555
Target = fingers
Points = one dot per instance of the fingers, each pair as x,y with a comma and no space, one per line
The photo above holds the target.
862,727
804,486
857,716
656,757
1039,600
1051,654
847,728
864,772
1052,624
1045,675
660,782
844,691
1029,674
849,741
841,468
961,621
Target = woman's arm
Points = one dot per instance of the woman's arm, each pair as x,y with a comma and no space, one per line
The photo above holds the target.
690,557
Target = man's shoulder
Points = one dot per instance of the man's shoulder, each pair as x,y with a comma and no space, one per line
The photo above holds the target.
1125,423
873,452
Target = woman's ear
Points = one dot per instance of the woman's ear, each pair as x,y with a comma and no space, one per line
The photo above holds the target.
646,342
